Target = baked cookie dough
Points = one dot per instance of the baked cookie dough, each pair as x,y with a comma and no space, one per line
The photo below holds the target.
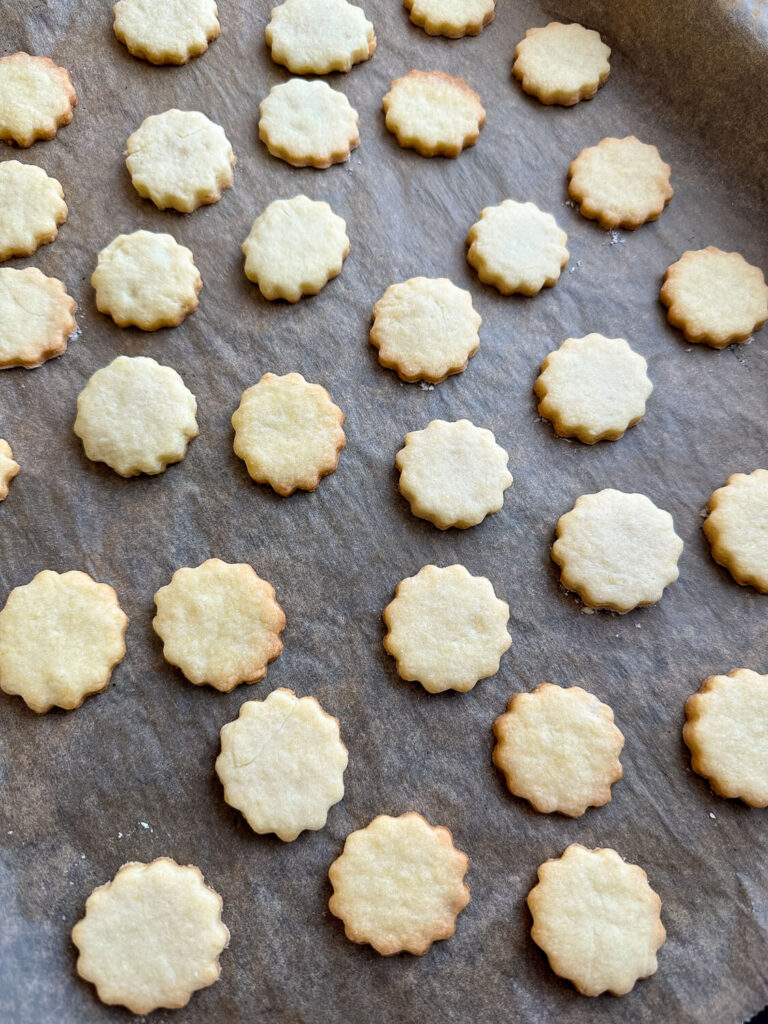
308,124
433,113
451,18
166,31
736,528
399,884
36,98
36,317
561,63
9,468
315,37
32,207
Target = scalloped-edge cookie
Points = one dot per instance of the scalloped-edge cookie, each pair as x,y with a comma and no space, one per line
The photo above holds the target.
597,919
220,624
559,749
451,18
60,637
151,937
716,298
433,113
620,183
36,317
308,124
561,64
9,468
32,207
36,98
399,884
617,551
315,37
282,764
166,31
736,528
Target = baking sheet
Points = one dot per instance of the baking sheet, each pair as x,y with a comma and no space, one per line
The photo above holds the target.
129,776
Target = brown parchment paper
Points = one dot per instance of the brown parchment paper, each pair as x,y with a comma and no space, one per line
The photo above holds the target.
129,776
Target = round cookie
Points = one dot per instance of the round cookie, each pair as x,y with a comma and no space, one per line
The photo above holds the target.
451,18
33,207
9,468
166,31
36,98
433,113
36,317
561,63
308,124
315,37
736,528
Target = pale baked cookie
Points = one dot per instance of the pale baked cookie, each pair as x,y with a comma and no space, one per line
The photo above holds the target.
60,637
146,280
32,207
561,63
399,884
315,37
166,31
36,317
453,474
294,248
517,247
715,297
308,124
179,159
433,113
620,183
559,749
288,432
9,468
282,764
36,98
451,18
219,623
597,919
151,937
446,629
726,730
136,415
617,550
736,528
593,388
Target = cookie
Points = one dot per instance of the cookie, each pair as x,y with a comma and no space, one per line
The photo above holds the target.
726,730
180,159
446,629
433,113
561,64
9,468
617,551
294,248
166,31
60,637
146,280
308,124
36,98
136,415
620,183
597,919
451,18
151,937
33,207
288,432
593,388
219,623
517,247
399,884
36,317
736,528
453,474
425,329
715,297
282,764
315,37
558,749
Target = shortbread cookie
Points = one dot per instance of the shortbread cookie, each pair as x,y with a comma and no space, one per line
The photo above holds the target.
32,207
617,550
282,764
151,937
559,749
399,884
593,388
146,280
315,37
451,18
9,468
726,730
308,124
620,183
561,63
219,623
446,629
715,297
136,415
166,31
453,474
180,159
294,248
736,528
288,432
36,98
517,247
597,919
36,317
60,638
433,113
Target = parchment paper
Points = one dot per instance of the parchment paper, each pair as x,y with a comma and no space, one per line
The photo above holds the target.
129,776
